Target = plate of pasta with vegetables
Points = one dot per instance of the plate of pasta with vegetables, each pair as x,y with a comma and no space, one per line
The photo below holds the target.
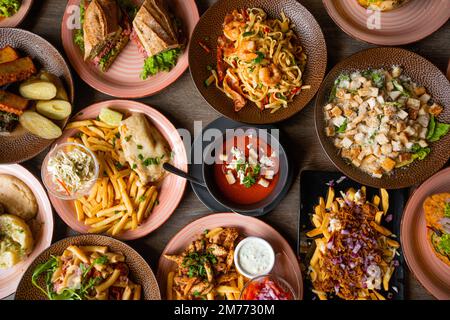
88,267
262,63
105,174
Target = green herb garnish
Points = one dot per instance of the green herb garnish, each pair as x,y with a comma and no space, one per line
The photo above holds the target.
260,57
163,61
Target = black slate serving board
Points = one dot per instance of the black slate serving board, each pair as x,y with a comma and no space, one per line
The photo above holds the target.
313,184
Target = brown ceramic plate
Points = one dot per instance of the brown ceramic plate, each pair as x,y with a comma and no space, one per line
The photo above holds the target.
409,23
432,273
20,144
16,19
210,27
140,271
421,71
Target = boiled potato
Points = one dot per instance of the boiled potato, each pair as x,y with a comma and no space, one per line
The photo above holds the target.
39,125
61,93
17,240
54,109
38,90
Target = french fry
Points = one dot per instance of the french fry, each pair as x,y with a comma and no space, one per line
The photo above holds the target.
380,229
122,174
93,193
152,204
379,296
119,207
227,289
125,198
330,198
101,124
111,195
169,289
130,180
97,131
108,220
378,217
79,210
133,189
120,225
105,193
99,147
384,200
212,233
144,204
137,292
78,124
96,141
93,220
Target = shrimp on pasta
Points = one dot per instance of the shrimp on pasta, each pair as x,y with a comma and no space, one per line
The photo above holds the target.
259,60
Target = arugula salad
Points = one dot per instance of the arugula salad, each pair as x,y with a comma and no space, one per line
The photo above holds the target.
381,120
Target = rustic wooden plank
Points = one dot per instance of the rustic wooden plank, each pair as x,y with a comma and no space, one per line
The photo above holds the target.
182,104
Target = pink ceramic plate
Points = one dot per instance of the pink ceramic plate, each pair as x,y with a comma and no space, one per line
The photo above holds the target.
432,273
16,19
123,78
412,22
10,278
172,188
286,265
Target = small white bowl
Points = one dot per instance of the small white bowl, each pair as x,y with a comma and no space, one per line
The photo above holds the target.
259,242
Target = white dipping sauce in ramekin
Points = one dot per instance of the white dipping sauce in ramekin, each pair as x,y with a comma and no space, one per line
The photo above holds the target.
254,257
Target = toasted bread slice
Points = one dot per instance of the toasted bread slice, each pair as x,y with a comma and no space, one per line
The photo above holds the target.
17,70
12,103
8,54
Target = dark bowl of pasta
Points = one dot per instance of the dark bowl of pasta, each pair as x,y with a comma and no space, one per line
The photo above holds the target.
257,61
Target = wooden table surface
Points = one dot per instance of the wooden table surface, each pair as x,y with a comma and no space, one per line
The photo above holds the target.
182,104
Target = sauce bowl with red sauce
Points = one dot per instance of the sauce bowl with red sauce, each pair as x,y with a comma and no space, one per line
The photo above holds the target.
248,172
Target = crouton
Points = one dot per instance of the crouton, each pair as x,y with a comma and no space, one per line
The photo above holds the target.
435,109
388,164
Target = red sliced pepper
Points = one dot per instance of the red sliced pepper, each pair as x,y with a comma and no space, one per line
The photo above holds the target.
204,47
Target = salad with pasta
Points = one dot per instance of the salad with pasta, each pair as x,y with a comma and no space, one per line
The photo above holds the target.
86,273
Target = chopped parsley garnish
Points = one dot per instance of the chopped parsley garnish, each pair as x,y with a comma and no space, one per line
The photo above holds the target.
259,58
249,180
139,147
151,161
127,138
163,61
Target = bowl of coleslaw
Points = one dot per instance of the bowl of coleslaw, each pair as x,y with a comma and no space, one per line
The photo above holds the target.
70,171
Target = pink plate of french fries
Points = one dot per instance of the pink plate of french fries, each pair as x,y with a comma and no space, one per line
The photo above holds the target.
121,203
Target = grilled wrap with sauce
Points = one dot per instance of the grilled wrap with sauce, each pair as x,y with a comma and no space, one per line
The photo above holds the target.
144,148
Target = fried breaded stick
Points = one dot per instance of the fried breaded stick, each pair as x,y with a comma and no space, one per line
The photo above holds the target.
17,70
8,54
12,103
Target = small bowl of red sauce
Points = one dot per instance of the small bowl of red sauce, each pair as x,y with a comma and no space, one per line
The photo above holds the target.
267,287
249,171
